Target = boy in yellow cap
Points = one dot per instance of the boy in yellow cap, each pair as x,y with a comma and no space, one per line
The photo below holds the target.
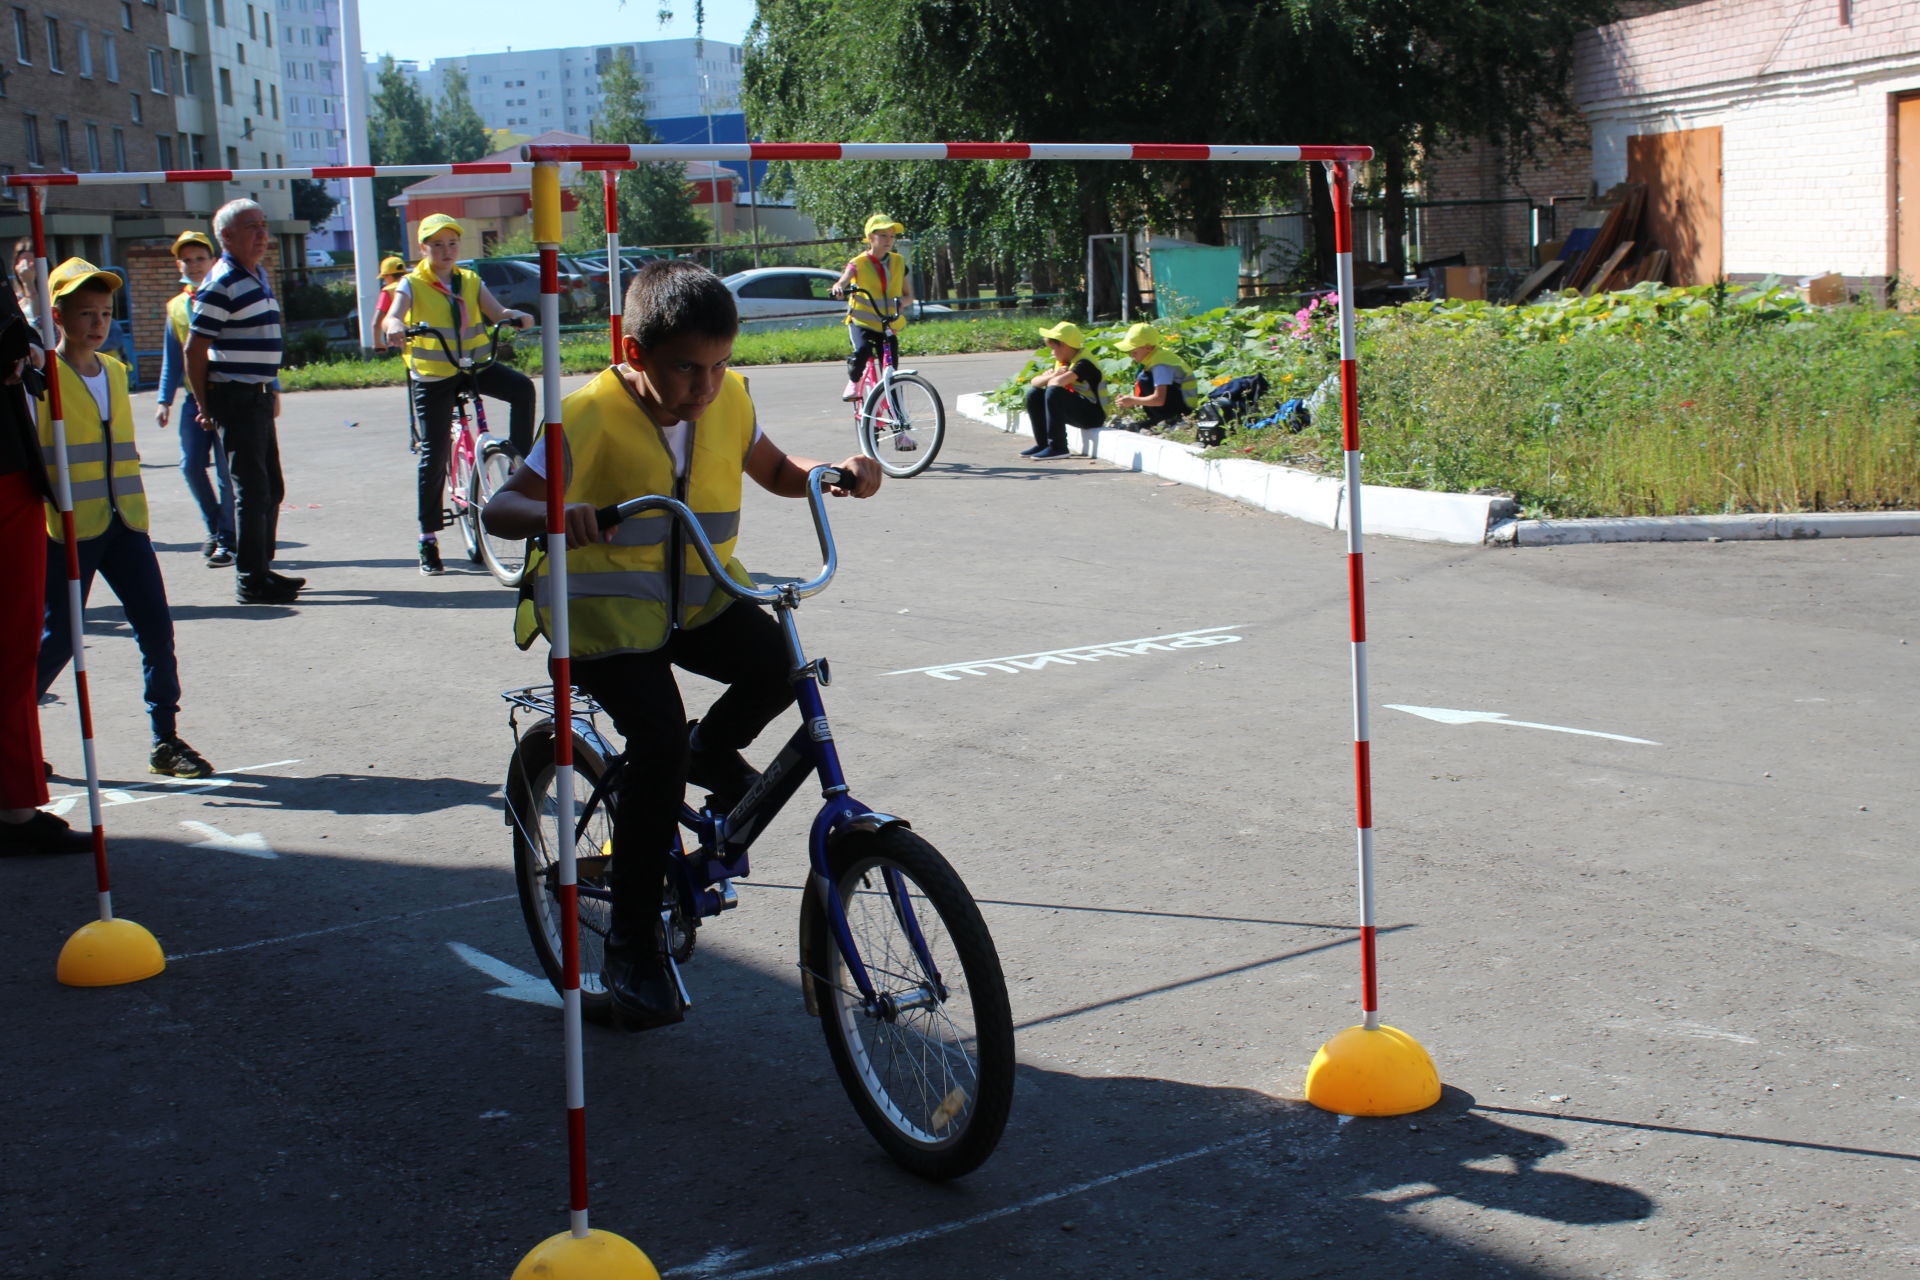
195,254
109,508
670,418
883,308
1165,386
1068,395
459,307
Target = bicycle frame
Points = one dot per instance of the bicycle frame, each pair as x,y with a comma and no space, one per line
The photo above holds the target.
884,364
702,874
468,444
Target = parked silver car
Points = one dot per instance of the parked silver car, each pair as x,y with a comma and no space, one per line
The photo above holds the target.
796,298
516,284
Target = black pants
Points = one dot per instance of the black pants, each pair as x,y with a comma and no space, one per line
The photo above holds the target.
866,346
1051,410
433,406
743,649
244,411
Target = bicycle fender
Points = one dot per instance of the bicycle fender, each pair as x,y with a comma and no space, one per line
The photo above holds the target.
871,821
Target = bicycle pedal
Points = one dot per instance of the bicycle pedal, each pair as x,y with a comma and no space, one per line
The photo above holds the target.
729,896
673,967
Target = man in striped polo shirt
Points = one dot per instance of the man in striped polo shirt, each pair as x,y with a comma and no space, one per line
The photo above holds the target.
233,357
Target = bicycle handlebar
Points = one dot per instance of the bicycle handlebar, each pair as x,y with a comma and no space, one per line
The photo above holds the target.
898,303
446,348
608,517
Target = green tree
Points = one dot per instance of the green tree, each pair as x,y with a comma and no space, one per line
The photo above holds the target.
461,133
654,207
400,130
312,202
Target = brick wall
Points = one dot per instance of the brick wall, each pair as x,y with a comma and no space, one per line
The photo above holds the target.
1802,95
82,93
1498,235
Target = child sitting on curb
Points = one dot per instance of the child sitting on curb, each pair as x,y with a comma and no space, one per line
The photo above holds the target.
109,508
1165,386
1067,395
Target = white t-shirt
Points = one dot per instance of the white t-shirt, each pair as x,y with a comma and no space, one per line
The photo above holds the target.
97,386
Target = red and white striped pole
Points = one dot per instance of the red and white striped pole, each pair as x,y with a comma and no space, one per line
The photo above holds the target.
609,180
1371,1069
579,1253
105,952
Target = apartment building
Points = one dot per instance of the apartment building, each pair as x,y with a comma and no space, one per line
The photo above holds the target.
314,102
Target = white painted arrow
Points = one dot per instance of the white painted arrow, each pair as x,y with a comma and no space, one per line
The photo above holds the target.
253,844
520,985
1444,716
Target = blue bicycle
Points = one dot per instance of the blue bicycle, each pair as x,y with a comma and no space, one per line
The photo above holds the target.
895,959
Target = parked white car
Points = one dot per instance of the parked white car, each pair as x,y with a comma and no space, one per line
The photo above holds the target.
319,258
796,298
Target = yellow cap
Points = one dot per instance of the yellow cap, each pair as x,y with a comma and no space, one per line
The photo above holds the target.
393,265
186,238
73,273
435,222
1141,335
881,222
1068,332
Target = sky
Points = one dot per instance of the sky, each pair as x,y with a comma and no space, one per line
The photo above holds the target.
493,26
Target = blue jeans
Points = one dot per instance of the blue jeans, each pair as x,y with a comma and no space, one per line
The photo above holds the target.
124,557
196,447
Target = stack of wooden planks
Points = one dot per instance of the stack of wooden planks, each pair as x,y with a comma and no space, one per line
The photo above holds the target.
1599,252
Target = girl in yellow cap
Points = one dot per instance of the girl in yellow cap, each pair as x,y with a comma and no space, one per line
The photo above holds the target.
393,269
195,254
883,308
1067,395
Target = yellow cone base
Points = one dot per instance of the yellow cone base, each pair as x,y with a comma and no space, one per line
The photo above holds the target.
107,953
598,1255
1383,1072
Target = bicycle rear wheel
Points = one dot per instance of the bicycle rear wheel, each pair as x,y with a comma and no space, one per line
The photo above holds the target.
903,426
533,810
505,558
929,1064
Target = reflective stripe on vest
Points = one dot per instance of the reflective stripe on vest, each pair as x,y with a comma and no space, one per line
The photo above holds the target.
867,275
103,466
432,304
1097,394
620,593
1189,384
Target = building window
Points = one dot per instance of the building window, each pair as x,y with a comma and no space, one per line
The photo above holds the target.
93,148
219,13
53,46
63,139
269,25
126,17
134,98
253,28
120,150
226,87
273,95
156,71
197,144
240,54
32,123
259,99
112,52
22,38
233,158
83,50
190,76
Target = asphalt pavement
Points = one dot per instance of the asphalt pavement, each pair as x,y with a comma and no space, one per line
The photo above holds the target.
1645,868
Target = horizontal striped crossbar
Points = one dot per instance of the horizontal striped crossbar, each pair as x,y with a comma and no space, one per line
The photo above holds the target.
935,151
249,175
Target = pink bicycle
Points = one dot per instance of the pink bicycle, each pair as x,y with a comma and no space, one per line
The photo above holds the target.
477,464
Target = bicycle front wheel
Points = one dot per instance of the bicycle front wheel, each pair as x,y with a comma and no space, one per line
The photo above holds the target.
505,558
929,1062
902,425
465,481
533,808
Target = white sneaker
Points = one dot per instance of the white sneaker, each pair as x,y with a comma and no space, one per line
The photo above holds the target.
849,391
905,443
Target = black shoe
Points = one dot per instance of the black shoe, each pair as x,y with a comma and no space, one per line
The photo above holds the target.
1029,451
175,759
42,833
430,560
1050,453
210,546
281,579
220,557
644,996
263,589
725,774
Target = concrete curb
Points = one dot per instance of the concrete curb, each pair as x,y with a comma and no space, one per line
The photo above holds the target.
1421,514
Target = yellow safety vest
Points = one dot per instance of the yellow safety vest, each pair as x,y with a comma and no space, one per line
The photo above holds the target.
180,315
621,594
1189,384
1098,395
866,275
466,333
98,490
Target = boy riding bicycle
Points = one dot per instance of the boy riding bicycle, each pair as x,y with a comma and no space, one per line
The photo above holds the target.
454,303
671,419
882,273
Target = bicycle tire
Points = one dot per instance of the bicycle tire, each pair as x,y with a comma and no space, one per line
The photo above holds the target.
933,1084
532,806
505,558
904,437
